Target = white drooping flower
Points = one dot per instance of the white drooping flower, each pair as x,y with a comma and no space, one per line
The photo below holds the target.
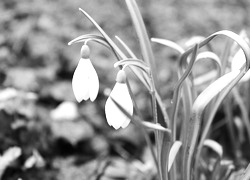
115,117
85,82
237,62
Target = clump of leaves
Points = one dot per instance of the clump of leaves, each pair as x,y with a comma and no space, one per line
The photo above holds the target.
182,134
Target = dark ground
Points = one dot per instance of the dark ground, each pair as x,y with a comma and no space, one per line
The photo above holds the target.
36,61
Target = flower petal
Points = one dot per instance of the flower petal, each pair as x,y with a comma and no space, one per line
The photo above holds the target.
93,83
126,123
80,81
114,115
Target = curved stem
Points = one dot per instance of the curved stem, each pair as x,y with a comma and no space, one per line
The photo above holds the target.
176,97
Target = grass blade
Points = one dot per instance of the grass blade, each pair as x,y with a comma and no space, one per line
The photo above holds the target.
244,111
108,39
216,147
169,43
176,96
209,55
165,145
130,52
146,49
199,105
173,152
155,127
246,174
137,63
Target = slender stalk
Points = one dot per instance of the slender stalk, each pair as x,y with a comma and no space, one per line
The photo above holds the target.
243,109
157,96
157,135
143,38
149,58
225,55
230,125
176,97
142,128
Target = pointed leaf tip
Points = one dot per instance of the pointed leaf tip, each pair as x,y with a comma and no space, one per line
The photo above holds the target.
215,146
173,152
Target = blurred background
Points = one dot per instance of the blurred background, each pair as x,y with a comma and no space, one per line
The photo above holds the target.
60,139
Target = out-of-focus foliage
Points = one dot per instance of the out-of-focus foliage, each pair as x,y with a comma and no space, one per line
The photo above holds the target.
37,63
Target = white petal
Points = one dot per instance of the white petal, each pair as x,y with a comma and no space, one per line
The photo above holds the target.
80,81
114,115
125,123
93,81
237,62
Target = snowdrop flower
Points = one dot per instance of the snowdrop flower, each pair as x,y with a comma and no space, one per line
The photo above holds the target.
85,81
120,94
237,62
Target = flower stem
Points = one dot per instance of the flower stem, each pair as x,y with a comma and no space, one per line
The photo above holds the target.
149,143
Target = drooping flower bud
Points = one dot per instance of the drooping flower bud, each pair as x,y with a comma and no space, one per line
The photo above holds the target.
85,82
115,117
121,77
85,51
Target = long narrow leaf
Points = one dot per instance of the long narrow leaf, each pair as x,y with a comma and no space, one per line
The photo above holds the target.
199,105
202,79
165,145
216,147
85,37
239,40
114,46
155,127
169,43
176,96
243,110
215,88
173,152
135,62
159,101
140,28
209,55
109,40
246,174
146,135
213,111
235,37
130,52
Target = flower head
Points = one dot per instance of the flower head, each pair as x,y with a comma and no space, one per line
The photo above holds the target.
85,82
120,94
